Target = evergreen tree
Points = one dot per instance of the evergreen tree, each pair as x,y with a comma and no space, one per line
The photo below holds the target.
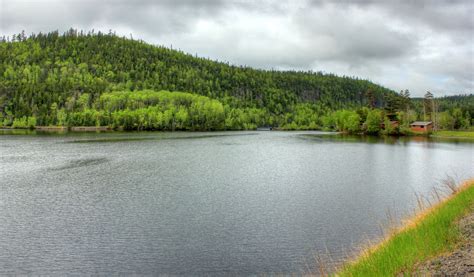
427,105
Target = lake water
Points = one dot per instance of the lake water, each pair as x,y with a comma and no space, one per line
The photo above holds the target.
204,203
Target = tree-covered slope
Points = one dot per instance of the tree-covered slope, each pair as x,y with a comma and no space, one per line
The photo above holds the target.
42,70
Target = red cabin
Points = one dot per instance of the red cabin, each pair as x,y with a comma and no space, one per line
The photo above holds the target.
421,126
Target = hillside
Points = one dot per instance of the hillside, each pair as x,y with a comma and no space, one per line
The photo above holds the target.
44,73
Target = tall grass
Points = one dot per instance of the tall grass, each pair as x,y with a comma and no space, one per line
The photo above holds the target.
431,232
454,134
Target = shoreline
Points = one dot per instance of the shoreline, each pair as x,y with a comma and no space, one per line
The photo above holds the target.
108,128
408,247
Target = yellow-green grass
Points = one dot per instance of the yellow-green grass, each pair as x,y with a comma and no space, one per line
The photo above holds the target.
429,234
454,134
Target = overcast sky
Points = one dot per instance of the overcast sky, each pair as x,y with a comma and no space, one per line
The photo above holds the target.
419,45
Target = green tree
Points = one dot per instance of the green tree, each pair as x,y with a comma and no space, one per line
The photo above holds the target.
428,105
466,121
75,69
446,121
457,118
353,123
374,118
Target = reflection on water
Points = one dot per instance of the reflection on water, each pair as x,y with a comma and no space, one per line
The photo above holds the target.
81,163
215,203
161,136
335,137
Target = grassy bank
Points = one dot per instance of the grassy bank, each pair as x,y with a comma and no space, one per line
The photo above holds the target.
454,134
429,234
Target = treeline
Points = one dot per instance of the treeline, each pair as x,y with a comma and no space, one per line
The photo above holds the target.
164,110
41,70
448,112
169,111
463,102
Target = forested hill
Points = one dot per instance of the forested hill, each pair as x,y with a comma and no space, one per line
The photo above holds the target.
45,69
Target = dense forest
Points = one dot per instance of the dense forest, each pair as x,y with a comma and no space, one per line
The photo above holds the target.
84,79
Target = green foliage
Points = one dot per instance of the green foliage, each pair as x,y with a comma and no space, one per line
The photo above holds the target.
453,120
457,118
454,112
393,103
24,122
303,117
163,110
73,79
54,77
31,122
446,121
328,122
466,121
353,123
388,128
432,235
374,119
464,102
346,121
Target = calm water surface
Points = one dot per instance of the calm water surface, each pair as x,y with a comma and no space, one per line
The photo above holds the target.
204,203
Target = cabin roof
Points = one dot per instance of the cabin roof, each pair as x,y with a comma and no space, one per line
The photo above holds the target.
421,123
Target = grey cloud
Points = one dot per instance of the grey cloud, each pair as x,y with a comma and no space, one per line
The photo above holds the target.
438,14
355,38
151,16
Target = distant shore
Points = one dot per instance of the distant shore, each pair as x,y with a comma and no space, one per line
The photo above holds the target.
466,136
64,128
458,134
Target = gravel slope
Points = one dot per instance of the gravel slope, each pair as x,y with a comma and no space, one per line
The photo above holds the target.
460,262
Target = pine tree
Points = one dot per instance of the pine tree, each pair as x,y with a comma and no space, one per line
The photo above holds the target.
427,105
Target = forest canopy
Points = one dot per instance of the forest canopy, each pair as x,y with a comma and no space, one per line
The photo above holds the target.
43,69
79,78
